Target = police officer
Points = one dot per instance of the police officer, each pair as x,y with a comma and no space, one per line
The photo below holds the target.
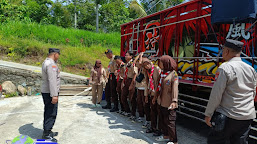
50,91
230,110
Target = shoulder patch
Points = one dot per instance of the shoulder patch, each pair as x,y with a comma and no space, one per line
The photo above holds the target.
176,74
54,67
217,75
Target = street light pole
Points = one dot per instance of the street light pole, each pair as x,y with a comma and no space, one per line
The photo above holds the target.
75,25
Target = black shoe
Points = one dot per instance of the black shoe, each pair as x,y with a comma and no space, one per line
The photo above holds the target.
49,137
157,133
149,130
53,134
114,109
107,107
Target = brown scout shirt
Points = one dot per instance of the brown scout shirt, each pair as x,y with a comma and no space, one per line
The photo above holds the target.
132,70
94,79
142,84
112,65
169,90
122,71
156,75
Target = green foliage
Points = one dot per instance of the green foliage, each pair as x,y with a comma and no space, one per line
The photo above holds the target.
28,42
38,10
152,6
15,10
113,14
11,95
57,35
137,8
61,15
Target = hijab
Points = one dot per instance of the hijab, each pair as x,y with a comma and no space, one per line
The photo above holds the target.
98,69
169,64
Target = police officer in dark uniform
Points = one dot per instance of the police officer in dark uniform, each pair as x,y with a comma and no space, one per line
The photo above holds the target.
50,91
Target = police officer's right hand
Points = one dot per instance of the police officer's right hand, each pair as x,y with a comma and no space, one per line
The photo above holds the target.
54,100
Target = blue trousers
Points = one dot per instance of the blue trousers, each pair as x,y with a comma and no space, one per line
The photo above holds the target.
50,112
235,132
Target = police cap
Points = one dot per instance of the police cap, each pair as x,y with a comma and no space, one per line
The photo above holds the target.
52,50
234,44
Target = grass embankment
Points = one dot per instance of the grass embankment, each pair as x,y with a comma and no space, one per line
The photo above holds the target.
27,42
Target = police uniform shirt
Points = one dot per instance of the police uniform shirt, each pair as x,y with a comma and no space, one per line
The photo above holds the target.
112,65
169,90
234,91
50,77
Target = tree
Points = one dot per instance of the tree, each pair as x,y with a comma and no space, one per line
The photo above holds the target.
152,6
61,16
86,18
139,9
113,14
38,10
14,10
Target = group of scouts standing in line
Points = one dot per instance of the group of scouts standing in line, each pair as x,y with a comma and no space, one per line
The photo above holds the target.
137,85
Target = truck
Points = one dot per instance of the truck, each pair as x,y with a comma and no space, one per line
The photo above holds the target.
185,32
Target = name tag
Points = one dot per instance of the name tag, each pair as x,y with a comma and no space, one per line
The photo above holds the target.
168,82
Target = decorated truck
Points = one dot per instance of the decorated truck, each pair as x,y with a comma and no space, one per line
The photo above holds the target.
193,34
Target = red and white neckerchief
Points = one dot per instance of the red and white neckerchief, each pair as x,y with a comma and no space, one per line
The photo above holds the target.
126,71
163,76
151,79
118,71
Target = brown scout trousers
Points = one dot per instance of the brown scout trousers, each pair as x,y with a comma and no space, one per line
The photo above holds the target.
140,102
133,102
110,90
125,94
154,115
168,123
119,93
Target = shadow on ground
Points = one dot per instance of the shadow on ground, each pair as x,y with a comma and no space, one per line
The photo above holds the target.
31,131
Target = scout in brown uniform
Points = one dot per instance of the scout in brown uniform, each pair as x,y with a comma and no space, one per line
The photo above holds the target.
110,89
152,74
119,75
140,87
167,98
128,82
97,80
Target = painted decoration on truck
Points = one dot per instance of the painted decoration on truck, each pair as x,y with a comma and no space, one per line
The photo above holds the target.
152,37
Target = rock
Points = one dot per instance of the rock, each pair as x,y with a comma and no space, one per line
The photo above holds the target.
22,90
9,87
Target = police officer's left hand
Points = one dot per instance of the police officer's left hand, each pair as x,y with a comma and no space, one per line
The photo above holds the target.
208,121
54,100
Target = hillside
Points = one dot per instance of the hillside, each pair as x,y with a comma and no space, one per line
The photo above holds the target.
28,43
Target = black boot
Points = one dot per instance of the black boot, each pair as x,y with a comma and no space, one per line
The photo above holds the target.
53,134
49,135
114,109
108,106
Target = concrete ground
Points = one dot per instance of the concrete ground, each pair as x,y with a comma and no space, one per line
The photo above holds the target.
79,123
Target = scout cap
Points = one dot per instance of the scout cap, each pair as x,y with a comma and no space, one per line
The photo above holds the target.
117,57
108,51
234,44
51,50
